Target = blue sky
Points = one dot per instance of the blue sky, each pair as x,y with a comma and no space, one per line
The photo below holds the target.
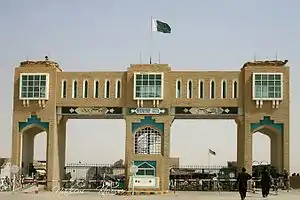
109,35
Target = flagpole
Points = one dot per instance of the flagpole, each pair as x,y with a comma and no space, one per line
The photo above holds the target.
159,58
208,161
151,39
208,158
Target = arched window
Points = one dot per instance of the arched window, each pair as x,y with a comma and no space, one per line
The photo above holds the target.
74,89
147,141
201,89
212,89
118,89
85,89
224,89
178,89
107,89
96,89
64,89
189,89
235,89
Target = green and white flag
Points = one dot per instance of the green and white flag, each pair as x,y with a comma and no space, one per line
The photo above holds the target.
159,26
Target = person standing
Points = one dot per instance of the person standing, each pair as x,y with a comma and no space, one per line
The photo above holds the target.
265,182
286,181
242,180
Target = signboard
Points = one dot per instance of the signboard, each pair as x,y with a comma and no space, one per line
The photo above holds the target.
206,111
91,110
144,182
148,111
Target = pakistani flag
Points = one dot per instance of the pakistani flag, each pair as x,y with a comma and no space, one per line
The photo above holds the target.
159,26
210,151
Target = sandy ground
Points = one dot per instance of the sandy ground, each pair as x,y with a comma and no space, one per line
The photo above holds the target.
180,196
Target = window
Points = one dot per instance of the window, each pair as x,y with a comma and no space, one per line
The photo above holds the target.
96,89
224,89
189,94
267,86
85,89
147,141
106,89
212,89
118,89
148,86
201,89
64,89
34,86
75,89
178,89
235,89
145,170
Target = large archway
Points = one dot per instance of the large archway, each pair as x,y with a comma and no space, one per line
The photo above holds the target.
276,146
28,147
261,149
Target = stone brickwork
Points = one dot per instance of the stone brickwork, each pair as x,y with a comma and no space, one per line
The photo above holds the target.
33,116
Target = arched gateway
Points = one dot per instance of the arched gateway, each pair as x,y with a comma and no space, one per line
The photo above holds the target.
149,97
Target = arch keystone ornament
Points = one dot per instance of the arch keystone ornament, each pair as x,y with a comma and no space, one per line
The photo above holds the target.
147,121
268,123
33,120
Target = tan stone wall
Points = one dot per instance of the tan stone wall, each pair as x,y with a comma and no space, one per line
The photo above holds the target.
56,132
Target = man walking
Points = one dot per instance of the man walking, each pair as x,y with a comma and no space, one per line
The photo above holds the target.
265,182
242,181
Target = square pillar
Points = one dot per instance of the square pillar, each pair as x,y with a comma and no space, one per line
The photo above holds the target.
244,145
53,170
62,147
161,123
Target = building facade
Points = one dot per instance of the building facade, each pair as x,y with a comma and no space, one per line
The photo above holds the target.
149,97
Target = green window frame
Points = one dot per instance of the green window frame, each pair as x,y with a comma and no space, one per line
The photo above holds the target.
148,86
267,86
34,86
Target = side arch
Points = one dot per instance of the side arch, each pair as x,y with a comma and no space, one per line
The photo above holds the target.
28,134
274,131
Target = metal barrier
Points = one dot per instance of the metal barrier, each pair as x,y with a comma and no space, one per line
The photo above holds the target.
93,177
203,178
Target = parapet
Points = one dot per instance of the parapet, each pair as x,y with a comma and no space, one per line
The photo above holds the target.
151,67
44,63
276,63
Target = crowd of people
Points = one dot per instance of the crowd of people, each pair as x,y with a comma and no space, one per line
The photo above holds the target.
267,182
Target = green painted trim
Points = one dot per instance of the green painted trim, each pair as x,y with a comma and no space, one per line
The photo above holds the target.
33,120
266,121
147,121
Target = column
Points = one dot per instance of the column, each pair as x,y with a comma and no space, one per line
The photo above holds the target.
276,151
128,150
162,161
286,146
62,147
244,150
16,144
53,171
165,180
240,144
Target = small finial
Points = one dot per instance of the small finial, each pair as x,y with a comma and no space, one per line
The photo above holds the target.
46,58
